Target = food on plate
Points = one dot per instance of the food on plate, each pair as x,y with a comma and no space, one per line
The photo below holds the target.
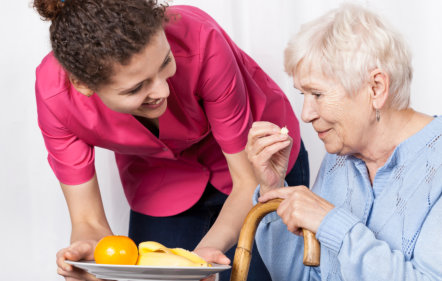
190,255
284,130
116,249
152,246
155,254
122,250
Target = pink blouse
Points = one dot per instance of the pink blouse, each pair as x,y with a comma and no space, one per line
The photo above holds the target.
215,95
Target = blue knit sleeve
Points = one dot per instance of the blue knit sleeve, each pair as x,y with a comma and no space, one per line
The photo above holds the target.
363,257
379,253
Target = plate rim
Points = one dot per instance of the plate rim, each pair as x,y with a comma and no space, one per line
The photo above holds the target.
92,263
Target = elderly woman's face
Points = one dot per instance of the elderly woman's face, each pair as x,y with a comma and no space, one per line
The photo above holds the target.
340,120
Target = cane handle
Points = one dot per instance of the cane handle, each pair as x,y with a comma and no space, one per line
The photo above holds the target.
243,253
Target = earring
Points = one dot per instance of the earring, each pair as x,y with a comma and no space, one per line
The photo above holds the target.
378,115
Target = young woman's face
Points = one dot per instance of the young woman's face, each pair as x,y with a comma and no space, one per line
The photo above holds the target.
140,88
341,120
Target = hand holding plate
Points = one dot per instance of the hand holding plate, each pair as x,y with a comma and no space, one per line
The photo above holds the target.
80,250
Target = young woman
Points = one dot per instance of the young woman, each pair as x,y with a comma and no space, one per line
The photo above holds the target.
168,91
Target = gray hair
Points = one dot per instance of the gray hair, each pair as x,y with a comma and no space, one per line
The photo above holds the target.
348,43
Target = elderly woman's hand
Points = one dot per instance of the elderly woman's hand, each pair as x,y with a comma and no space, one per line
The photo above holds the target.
268,150
301,208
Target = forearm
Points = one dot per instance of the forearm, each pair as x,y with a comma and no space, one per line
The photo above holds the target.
86,211
373,259
364,257
87,231
225,231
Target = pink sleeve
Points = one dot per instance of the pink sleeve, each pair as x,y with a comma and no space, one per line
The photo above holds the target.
222,89
71,159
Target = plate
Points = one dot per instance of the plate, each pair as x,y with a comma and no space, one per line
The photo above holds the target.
140,272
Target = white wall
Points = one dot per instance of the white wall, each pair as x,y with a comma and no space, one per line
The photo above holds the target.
34,222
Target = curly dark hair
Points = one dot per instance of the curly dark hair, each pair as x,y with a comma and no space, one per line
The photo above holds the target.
89,36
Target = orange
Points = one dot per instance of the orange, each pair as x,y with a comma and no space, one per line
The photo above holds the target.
116,249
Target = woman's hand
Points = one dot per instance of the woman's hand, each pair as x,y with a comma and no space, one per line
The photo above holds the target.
80,250
89,225
268,150
301,208
210,278
212,255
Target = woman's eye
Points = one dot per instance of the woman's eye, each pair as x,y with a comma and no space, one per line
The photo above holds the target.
134,91
316,94
166,62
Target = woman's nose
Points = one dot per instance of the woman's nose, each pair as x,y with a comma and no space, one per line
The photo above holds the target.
160,89
309,112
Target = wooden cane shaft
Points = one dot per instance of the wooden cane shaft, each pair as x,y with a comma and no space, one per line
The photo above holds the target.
312,249
241,264
243,253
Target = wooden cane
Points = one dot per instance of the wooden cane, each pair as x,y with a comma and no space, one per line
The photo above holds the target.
243,253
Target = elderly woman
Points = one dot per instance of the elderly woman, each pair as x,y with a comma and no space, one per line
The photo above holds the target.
375,206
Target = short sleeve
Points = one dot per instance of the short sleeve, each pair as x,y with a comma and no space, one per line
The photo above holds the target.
222,89
71,159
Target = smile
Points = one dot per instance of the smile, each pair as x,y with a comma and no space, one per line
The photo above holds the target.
154,103
322,134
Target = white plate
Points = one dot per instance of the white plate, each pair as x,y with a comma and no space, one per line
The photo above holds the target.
139,272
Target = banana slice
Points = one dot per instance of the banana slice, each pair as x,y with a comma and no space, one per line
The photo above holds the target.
190,255
152,246
164,259
155,254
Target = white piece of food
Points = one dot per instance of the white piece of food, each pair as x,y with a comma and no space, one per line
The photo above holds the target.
284,130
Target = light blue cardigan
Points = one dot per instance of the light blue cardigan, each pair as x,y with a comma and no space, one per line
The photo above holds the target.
385,232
